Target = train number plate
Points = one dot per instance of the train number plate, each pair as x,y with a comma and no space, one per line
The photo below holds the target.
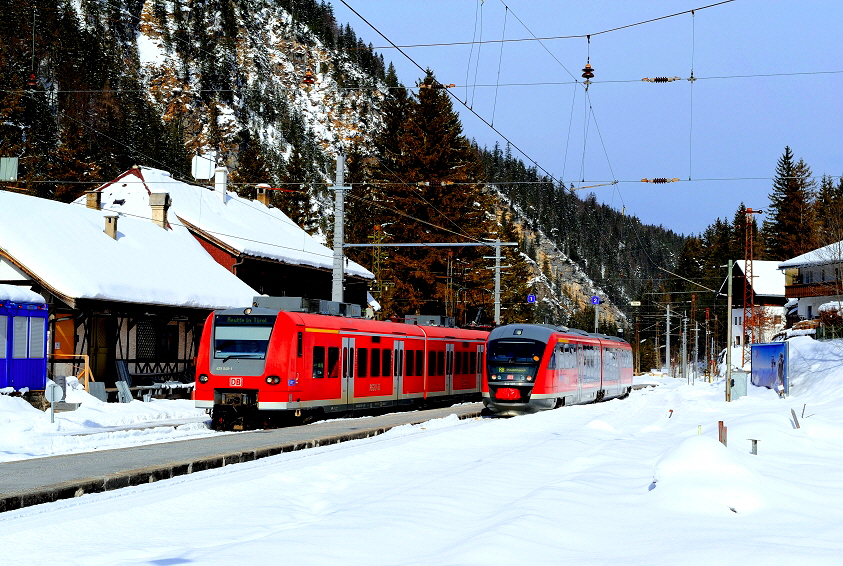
236,382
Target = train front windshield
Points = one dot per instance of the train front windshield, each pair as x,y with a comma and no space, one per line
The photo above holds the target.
514,360
242,336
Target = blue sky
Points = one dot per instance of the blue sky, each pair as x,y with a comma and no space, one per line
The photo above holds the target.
740,126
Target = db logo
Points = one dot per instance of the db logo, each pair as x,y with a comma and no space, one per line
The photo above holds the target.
236,382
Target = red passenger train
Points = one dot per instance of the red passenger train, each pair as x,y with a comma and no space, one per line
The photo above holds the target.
258,365
533,367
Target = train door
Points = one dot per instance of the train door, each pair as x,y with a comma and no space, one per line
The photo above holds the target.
449,369
578,353
478,366
348,370
398,370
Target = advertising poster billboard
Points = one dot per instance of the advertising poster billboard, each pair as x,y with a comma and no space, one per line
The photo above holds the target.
769,366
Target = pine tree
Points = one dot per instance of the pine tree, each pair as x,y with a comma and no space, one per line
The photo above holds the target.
425,187
790,228
829,210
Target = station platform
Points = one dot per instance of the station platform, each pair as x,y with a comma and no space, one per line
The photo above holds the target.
42,480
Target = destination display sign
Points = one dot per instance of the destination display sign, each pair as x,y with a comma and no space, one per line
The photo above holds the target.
243,320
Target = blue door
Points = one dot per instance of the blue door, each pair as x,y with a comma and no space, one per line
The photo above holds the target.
23,345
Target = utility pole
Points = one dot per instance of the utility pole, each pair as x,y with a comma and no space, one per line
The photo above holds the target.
729,336
596,314
696,350
667,341
637,349
339,216
684,366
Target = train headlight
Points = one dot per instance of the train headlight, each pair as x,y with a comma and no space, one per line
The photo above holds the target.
273,379
529,378
203,378
493,377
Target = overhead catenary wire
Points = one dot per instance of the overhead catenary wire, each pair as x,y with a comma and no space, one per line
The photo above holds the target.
500,60
478,116
555,37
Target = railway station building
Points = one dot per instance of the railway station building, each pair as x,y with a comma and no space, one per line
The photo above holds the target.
131,270
117,288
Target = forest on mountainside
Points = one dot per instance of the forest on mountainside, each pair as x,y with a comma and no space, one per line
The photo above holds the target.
81,102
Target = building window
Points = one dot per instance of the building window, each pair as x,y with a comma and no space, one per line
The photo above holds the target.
810,313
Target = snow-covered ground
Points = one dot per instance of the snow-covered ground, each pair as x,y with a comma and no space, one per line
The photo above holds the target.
621,482
26,432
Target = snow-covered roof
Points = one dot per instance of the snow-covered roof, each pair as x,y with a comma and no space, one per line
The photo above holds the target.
19,295
766,277
832,253
247,226
64,246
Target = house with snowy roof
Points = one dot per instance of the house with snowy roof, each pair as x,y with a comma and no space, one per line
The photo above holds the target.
768,292
119,287
814,279
259,244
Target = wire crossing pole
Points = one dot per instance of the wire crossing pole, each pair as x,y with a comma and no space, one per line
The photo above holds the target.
497,281
339,228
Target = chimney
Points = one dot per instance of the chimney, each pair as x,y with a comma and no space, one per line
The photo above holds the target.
221,182
94,200
160,203
111,225
263,195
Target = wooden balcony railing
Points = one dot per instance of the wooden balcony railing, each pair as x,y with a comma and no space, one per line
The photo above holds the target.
824,289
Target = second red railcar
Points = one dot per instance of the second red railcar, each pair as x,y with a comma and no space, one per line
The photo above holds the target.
533,367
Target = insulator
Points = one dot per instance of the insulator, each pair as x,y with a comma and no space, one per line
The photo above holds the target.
32,82
659,180
660,79
588,71
308,79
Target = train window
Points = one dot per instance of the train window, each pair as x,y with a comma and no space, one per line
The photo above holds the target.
473,364
431,363
376,362
551,363
362,362
376,339
458,365
387,363
411,357
440,363
419,362
318,361
333,361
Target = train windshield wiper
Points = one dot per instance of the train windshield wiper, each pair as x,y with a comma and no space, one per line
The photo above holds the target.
235,357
